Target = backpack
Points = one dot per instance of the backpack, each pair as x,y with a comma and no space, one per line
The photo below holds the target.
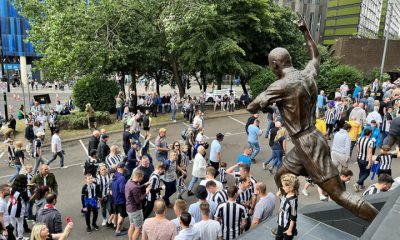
184,133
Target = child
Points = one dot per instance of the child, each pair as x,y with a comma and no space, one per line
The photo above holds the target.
385,160
181,181
222,173
11,153
330,120
288,210
155,188
90,192
29,176
185,155
19,160
103,181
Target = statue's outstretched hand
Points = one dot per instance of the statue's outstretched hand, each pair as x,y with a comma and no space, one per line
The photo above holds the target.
253,107
301,24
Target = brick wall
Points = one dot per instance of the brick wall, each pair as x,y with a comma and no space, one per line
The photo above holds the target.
366,54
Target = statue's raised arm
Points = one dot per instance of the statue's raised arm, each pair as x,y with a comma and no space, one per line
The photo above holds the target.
311,46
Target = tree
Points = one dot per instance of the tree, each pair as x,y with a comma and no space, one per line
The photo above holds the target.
96,90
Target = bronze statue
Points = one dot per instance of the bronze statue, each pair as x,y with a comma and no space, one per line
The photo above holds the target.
295,94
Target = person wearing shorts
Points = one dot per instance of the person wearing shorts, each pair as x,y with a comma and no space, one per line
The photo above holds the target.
134,198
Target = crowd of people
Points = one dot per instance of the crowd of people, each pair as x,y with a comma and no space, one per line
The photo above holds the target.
133,184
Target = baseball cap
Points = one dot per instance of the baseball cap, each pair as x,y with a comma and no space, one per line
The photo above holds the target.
121,165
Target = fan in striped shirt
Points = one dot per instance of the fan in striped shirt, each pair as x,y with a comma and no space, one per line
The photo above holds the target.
330,119
220,197
384,184
103,181
245,194
113,158
155,187
232,215
385,160
365,147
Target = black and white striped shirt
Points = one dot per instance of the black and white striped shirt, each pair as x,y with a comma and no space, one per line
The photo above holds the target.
222,175
287,211
231,214
155,184
338,111
371,190
37,146
386,122
220,197
111,160
252,185
330,116
385,161
363,144
244,195
104,184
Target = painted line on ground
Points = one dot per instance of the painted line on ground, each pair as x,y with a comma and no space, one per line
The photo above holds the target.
234,119
1,155
152,144
84,147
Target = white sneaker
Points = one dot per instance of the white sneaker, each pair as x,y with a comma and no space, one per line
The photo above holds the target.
104,222
264,166
305,193
323,198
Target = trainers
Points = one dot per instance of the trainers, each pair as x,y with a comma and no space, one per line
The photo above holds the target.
323,198
104,223
95,227
274,231
264,166
356,187
253,160
119,234
88,229
189,193
305,193
109,225
271,172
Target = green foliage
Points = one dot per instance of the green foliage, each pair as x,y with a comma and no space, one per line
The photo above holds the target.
96,90
260,81
78,120
375,74
332,75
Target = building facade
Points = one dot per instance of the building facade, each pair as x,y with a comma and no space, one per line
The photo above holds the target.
361,19
13,33
394,29
313,11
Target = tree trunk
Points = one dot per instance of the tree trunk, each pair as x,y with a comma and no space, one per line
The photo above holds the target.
158,77
203,80
198,82
243,84
219,81
132,86
122,84
177,76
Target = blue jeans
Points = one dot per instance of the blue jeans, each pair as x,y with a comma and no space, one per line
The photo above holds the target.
256,149
193,182
38,161
277,157
120,111
61,155
173,115
385,138
17,169
269,126
163,108
364,172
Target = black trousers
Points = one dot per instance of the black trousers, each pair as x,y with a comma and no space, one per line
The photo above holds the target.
280,235
95,212
148,208
216,166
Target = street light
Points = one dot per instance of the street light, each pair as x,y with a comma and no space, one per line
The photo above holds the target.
386,34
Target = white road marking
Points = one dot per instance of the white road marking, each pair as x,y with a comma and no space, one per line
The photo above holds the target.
234,119
152,144
51,168
84,147
187,125
1,155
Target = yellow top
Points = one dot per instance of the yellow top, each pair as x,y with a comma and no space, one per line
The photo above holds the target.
321,125
355,130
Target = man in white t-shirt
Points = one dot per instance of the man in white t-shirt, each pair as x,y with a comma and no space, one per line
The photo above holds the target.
4,217
208,228
198,119
210,173
56,148
215,151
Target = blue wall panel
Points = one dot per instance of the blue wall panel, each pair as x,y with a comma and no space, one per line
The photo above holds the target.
13,31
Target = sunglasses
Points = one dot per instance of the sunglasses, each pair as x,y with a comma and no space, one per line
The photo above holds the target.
177,145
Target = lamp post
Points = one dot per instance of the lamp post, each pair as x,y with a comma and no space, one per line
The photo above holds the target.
386,34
